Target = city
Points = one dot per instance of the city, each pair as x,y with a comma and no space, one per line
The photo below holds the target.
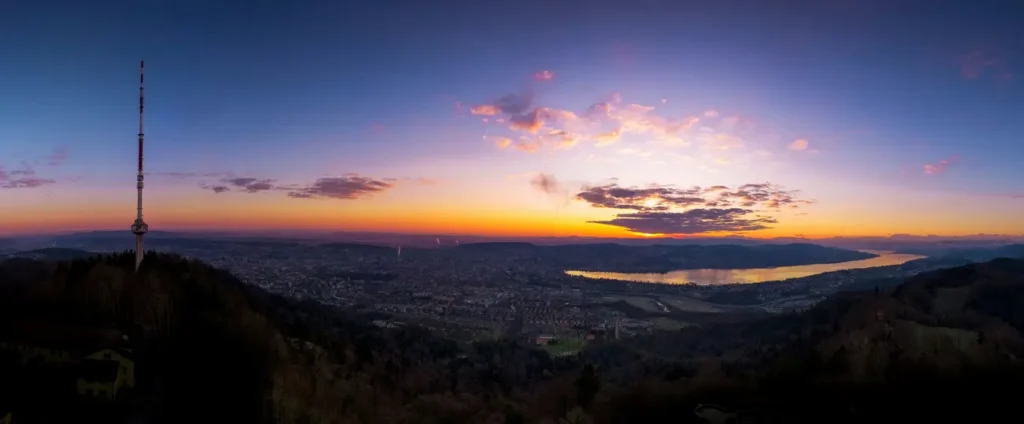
470,297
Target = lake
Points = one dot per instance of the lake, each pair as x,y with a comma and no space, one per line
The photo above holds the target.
752,275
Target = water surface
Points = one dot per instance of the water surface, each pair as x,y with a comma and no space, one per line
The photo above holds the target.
752,275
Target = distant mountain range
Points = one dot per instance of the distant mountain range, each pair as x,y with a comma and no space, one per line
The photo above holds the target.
900,242
53,253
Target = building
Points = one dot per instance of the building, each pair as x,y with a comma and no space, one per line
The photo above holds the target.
99,360
55,343
99,380
120,356
544,340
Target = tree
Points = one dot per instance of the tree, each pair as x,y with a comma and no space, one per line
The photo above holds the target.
587,385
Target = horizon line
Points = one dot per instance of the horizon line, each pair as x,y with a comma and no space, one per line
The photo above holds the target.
327,232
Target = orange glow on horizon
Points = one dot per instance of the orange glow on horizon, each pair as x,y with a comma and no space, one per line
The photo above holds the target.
188,210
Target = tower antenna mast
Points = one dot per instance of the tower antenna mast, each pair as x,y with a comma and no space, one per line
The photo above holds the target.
139,228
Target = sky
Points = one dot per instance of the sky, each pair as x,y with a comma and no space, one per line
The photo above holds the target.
536,118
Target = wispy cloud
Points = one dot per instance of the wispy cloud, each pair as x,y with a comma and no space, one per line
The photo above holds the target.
940,166
22,179
24,176
250,185
979,62
545,183
544,75
665,209
57,157
348,186
798,145
187,175
533,127
693,221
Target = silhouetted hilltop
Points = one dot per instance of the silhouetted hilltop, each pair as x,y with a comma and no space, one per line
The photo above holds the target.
664,258
950,252
209,348
496,245
54,253
365,247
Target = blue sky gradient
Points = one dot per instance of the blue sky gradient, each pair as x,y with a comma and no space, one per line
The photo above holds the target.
296,91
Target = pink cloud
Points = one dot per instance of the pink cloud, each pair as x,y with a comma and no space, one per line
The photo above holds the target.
798,145
488,110
940,166
544,75
977,62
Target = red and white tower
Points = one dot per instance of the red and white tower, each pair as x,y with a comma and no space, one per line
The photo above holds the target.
139,228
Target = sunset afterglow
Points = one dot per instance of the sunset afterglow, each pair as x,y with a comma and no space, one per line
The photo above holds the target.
711,122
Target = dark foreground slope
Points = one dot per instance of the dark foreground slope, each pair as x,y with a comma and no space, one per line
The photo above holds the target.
944,343
210,349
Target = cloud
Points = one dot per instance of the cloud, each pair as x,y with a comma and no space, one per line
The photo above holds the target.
607,138
250,185
693,221
653,198
664,197
186,175
26,182
665,209
23,177
243,184
424,181
979,61
522,122
605,122
544,75
545,183
486,110
348,187
523,144
798,145
57,157
940,166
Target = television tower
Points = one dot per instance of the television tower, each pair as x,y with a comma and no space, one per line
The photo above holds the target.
140,227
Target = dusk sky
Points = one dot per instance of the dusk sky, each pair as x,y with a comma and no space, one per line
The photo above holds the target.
557,117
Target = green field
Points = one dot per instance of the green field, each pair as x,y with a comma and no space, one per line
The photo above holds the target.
644,303
565,346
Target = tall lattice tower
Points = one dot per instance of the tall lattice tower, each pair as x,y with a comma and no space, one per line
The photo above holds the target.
140,227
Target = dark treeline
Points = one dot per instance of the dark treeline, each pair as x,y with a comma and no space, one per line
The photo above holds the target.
943,343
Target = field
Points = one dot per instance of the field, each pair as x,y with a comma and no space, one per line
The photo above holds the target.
669,324
687,304
565,347
645,303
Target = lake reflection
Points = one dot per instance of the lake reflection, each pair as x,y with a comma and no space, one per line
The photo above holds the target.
753,275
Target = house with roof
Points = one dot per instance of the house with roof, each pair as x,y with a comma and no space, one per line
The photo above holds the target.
99,379
99,359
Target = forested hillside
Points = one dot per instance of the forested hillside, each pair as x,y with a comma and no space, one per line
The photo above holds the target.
211,349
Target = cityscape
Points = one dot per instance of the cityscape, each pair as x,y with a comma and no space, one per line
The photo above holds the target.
472,297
